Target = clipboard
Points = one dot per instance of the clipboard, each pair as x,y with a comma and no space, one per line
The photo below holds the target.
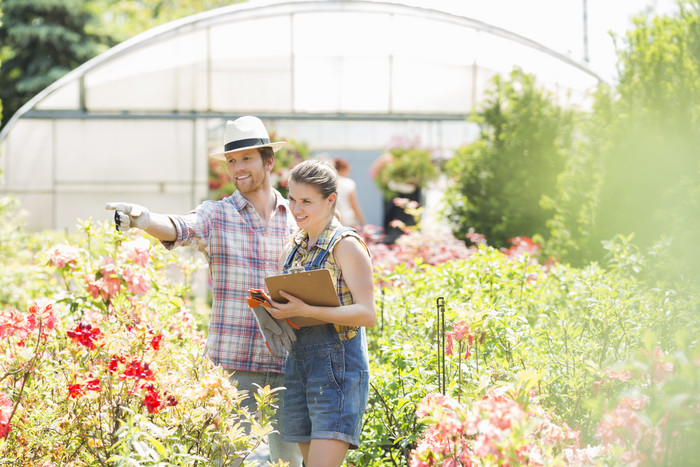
313,287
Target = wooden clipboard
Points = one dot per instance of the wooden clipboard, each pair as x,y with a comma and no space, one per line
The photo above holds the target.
313,287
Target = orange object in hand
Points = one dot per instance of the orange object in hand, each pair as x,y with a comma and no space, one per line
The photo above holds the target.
258,297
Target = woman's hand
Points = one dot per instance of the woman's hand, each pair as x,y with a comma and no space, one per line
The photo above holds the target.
293,308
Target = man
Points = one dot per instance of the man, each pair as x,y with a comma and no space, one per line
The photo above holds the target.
242,237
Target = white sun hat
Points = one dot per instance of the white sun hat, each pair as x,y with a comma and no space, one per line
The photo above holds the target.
246,132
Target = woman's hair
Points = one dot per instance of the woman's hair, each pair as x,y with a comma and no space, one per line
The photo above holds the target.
317,173
340,164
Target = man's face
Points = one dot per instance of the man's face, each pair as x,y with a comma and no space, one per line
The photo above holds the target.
247,170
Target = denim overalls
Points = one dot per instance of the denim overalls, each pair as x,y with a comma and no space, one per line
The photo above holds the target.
326,378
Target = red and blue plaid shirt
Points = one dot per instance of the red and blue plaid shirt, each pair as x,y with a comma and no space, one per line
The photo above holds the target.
241,252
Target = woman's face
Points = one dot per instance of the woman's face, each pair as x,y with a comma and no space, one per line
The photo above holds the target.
310,209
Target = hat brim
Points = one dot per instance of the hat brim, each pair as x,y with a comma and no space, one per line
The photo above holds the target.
276,146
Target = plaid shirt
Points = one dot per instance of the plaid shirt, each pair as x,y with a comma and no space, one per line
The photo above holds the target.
241,253
305,257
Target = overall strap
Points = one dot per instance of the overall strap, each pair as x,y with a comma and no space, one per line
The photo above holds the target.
320,259
290,258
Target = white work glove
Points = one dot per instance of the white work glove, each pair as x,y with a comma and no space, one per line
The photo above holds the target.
278,334
128,215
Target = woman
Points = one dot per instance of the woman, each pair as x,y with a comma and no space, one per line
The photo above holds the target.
327,372
348,206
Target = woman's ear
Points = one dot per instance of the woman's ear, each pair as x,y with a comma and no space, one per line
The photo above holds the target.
331,198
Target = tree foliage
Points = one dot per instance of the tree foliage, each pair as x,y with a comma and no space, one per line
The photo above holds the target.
124,19
498,181
42,40
638,171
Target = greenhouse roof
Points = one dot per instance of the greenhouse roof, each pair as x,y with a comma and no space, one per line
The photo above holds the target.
299,64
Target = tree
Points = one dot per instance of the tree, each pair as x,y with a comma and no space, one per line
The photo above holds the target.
123,19
42,40
498,181
641,174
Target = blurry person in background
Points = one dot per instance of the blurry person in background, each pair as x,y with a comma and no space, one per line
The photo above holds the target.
348,207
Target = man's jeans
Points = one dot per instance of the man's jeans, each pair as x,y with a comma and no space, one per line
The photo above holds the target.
286,452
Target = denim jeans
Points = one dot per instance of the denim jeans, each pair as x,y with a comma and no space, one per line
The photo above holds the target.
279,450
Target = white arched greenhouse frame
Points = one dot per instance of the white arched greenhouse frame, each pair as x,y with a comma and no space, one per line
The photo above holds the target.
137,122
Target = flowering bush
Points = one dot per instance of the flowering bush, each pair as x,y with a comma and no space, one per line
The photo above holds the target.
109,365
650,406
531,340
494,430
479,356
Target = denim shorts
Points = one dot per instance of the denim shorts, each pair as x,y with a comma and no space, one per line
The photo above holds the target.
327,383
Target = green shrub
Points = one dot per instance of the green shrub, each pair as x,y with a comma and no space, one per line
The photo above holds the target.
498,181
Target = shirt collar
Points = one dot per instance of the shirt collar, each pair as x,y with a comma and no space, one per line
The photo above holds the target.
240,202
301,238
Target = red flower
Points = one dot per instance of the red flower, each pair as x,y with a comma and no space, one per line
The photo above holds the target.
171,401
84,334
113,364
156,341
93,385
152,399
75,391
137,371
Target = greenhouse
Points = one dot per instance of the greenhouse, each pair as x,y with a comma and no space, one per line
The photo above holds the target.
138,122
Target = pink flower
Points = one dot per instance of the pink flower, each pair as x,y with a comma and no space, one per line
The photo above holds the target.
11,321
107,284
138,251
137,281
44,316
6,408
64,256
621,375
461,332
661,369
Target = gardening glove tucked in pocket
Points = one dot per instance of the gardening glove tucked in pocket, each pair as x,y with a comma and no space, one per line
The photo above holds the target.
278,333
128,215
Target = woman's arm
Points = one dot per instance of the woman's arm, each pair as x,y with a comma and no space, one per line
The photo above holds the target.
354,262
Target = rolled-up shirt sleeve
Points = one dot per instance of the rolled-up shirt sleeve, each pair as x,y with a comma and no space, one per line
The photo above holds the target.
193,229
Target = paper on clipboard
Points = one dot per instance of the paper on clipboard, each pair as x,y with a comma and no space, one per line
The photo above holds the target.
313,287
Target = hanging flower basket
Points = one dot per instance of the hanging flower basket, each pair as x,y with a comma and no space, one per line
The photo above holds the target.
402,171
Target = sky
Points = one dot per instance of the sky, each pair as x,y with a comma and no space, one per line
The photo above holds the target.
559,24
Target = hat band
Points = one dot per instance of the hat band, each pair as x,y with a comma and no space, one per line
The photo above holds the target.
244,143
